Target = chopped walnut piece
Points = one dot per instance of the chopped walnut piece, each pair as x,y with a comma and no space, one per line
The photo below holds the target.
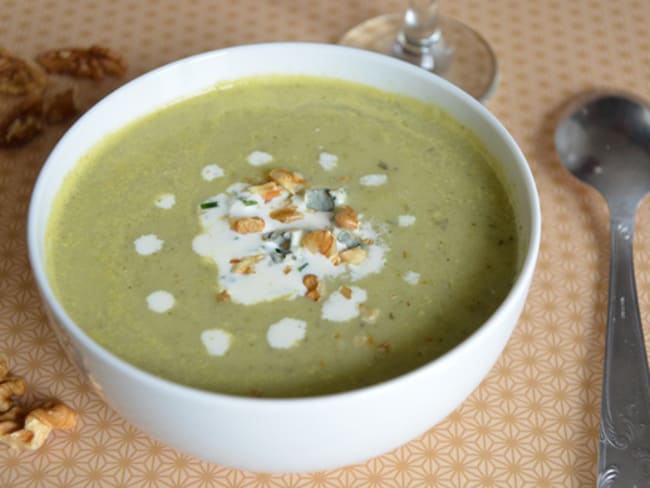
94,62
23,123
60,107
246,265
313,295
28,430
354,255
20,77
268,191
346,217
223,297
287,269
292,182
311,283
320,241
286,215
248,225
346,291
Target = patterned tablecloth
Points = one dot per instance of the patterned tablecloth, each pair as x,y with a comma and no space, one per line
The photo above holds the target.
534,420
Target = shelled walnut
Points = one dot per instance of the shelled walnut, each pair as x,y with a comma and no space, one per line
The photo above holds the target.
28,429
19,76
94,62
29,99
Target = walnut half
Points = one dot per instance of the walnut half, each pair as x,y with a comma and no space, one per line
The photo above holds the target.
94,62
23,122
19,76
28,429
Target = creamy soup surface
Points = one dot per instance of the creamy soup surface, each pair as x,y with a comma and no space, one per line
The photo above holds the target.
283,236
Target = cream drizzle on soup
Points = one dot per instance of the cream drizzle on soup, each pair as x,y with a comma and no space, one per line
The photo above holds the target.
286,236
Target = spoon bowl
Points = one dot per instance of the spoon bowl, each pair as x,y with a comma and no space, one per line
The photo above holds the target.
604,140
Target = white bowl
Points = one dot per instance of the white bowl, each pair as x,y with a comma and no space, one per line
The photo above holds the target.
305,434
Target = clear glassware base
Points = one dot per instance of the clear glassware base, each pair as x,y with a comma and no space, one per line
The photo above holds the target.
467,59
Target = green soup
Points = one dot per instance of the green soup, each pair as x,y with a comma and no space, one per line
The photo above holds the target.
396,212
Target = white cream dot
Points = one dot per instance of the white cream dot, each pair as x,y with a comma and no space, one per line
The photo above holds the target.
406,220
148,244
160,301
339,308
216,341
286,333
166,201
411,277
211,172
259,158
327,161
373,180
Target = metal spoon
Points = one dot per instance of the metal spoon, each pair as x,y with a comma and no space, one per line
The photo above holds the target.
604,140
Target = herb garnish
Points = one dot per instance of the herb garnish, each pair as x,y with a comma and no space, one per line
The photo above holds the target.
206,205
248,203
302,266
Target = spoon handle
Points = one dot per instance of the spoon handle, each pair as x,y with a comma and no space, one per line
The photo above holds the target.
624,445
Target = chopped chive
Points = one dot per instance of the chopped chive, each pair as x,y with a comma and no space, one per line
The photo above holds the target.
205,205
302,266
248,203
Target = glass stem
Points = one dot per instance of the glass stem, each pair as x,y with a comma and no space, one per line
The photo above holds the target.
420,41
420,24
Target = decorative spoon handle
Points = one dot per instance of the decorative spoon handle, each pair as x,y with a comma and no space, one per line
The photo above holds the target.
624,446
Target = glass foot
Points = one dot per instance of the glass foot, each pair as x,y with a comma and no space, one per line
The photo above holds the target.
461,55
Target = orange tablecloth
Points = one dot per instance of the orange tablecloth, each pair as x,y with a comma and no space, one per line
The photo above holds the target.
534,420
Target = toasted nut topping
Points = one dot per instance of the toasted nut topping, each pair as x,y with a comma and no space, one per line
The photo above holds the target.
313,294
248,225
311,283
355,255
346,217
292,182
320,241
285,215
28,430
223,297
267,191
247,264
346,292
287,269
95,62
